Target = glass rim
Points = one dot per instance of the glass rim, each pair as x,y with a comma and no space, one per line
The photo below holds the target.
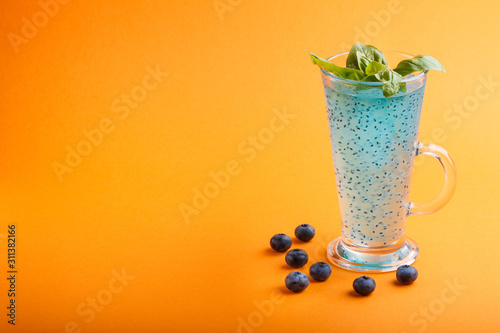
417,77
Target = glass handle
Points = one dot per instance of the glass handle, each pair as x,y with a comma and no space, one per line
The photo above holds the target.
450,180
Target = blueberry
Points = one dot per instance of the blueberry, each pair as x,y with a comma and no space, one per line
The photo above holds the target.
320,271
296,258
281,242
364,285
406,274
305,232
296,281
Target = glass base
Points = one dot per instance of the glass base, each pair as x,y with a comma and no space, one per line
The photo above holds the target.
371,260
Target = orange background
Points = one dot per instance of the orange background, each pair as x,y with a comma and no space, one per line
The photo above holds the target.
228,70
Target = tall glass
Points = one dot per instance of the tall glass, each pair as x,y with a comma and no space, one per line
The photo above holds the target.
374,144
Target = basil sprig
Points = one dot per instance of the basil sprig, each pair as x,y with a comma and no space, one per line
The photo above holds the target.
367,64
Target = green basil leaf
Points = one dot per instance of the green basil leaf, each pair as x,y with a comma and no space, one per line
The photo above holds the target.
391,81
361,55
417,64
374,67
342,72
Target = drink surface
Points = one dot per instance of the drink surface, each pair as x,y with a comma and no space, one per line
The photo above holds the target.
374,143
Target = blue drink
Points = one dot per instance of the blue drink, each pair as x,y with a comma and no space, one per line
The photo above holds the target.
374,144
